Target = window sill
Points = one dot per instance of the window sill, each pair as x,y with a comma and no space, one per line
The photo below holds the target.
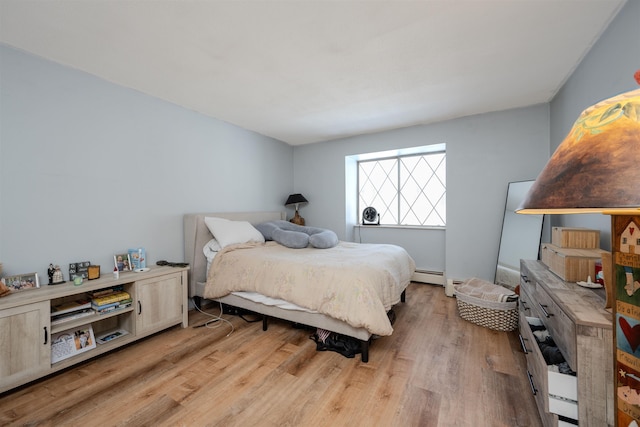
403,227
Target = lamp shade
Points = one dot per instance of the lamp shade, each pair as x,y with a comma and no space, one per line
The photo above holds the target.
295,199
596,169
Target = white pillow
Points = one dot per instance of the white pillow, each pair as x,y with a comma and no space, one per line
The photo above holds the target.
228,232
211,249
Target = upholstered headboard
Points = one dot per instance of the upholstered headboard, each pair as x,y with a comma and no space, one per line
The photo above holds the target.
196,235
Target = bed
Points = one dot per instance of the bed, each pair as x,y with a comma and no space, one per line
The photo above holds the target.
257,299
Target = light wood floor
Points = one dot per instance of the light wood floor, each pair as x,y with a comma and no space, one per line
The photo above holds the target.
435,370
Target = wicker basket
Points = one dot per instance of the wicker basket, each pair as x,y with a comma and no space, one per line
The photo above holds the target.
499,316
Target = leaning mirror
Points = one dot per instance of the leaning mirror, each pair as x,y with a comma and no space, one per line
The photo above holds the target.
520,238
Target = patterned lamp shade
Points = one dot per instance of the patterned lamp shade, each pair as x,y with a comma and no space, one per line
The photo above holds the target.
596,169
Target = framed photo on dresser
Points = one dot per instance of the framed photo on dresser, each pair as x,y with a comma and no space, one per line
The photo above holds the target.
22,282
122,261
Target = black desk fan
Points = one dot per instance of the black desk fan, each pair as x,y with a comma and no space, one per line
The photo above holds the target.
370,216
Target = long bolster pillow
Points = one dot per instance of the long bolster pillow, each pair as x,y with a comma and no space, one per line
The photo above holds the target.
297,236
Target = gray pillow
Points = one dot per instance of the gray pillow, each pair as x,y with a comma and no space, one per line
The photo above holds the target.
323,240
297,236
291,239
267,229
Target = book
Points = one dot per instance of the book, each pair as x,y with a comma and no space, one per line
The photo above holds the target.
56,320
70,306
112,307
111,304
72,342
104,306
111,335
109,299
107,310
107,291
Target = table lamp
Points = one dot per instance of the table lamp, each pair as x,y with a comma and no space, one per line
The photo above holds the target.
596,169
297,200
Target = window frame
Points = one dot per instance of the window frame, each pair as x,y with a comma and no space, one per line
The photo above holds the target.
439,149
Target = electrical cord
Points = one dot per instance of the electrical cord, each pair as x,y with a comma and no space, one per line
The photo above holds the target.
217,320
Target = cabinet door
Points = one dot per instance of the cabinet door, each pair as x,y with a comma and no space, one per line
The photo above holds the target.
25,348
159,303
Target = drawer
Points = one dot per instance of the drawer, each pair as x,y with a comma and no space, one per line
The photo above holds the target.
548,419
555,392
559,325
528,292
527,285
527,305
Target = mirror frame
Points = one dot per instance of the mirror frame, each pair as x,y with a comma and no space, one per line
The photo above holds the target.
514,244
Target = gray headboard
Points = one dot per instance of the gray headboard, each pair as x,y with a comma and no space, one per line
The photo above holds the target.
196,235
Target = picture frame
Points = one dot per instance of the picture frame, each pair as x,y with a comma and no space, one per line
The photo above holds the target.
22,282
71,342
122,261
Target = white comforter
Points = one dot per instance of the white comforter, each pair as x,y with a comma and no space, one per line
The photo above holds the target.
353,282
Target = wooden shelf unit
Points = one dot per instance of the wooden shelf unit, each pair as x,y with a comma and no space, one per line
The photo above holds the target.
160,301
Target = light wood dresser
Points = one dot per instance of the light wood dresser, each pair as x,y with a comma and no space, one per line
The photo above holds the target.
582,329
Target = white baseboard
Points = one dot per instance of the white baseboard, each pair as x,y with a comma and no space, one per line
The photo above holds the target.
432,277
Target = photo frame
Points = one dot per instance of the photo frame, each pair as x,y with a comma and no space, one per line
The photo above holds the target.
71,342
122,261
22,282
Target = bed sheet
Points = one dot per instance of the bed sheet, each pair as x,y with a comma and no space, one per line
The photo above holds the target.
352,282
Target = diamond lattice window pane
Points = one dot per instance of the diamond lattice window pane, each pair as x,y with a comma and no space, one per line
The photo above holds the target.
409,190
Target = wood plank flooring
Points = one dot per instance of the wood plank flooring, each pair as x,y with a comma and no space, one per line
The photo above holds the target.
435,370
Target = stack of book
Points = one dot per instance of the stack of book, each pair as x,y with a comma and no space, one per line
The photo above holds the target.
71,310
107,300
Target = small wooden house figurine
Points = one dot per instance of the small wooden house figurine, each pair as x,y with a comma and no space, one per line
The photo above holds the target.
630,239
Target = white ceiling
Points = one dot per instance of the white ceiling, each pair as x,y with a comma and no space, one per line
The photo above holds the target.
314,70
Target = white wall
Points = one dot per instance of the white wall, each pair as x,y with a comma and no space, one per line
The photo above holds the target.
606,71
484,153
89,168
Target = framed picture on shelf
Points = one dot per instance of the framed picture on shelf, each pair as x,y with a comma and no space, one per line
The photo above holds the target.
122,261
22,282
71,342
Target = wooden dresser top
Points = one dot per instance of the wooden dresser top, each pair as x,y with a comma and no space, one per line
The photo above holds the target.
584,306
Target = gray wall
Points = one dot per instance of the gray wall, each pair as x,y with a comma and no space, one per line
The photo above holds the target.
484,153
606,71
89,168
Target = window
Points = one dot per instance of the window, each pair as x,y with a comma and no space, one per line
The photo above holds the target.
405,189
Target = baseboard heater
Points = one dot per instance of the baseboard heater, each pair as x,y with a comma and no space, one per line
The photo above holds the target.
427,276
